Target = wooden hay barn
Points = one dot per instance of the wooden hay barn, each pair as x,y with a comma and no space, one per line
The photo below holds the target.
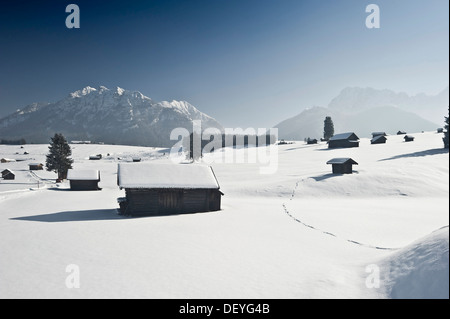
311,141
95,157
344,140
440,130
342,165
84,180
166,189
36,166
408,138
375,134
7,160
379,139
401,133
8,174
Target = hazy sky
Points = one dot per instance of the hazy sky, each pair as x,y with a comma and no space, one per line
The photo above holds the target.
245,62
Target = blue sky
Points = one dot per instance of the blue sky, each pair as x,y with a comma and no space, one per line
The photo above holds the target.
246,63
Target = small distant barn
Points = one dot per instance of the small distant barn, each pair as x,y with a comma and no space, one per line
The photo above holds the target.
440,130
136,159
165,189
401,133
8,174
95,157
408,138
344,140
311,141
83,180
379,139
342,165
375,134
7,160
36,166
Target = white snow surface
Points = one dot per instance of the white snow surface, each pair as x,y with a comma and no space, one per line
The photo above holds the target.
299,233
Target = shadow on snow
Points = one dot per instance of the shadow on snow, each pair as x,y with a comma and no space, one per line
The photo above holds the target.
74,216
435,151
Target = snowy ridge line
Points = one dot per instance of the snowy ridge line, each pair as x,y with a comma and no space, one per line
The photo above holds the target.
326,232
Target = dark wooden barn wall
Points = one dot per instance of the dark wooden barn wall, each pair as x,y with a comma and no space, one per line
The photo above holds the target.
342,143
342,168
84,185
171,201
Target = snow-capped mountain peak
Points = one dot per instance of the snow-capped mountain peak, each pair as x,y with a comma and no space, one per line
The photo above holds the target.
108,115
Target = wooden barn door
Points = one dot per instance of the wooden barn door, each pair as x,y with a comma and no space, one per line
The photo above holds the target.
169,201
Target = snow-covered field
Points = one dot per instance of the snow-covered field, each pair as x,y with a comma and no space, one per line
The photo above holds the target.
299,233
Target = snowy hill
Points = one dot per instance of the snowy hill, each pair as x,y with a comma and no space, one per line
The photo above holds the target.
366,110
299,233
102,115
419,270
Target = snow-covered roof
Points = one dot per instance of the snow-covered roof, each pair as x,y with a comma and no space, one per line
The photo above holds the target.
83,175
342,160
150,175
378,137
345,136
34,164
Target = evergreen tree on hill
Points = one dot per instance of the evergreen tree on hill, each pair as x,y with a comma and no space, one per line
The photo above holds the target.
58,160
328,129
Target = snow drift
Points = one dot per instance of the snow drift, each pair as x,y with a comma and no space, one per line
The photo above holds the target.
419,270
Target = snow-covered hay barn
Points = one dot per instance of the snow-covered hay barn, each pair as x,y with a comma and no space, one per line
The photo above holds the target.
344,140
8,174
35,166
342,165
379,139
83,180
165,189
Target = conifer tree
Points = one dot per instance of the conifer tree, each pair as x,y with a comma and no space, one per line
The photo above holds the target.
328,129
58,160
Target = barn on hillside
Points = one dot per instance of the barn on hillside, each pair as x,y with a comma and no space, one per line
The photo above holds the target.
401,133
83,180
375,134
36,166
379,139
311,141
95,157
7,160
8,174
344,140
408,138
342,165
165,189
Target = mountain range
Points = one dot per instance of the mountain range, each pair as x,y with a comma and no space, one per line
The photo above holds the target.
119,116
366,110
112,116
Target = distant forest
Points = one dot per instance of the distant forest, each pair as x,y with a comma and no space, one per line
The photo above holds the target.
13,142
